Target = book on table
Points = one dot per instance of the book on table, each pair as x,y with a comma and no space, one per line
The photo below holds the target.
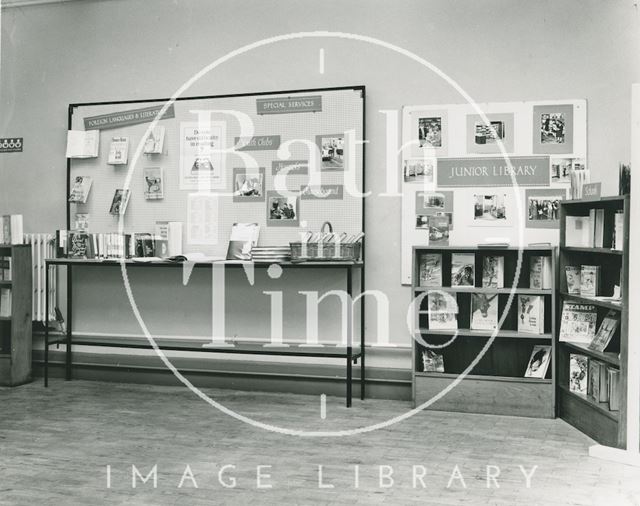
244,236
578,322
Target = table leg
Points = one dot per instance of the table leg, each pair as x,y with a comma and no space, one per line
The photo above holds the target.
349,375
46,326
69,316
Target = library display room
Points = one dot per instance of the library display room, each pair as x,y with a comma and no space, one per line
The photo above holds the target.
287,252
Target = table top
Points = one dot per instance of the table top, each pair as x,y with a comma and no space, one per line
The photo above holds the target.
226,263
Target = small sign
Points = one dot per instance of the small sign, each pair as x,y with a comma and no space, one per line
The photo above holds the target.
322,192
494,171
257,143
125,118
289,105
290,167
591,190
11,145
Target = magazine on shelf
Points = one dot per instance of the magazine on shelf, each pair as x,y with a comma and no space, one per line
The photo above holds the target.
578,371
606,331
443,309
493,271
244,236
531,314
463,269
432,361
484,311
590,280
538,362
578,322
431,269
573,279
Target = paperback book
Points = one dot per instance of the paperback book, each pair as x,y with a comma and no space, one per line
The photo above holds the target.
5,302
578,232
463,269
573,279
540,273
11,229
590,280
442,311
80,190
154,143
606,331
578,370
153,183
613,377
578,322
538,362
118,151
593,383
244,236
438,230
531,314
431,269
83,143
432,361
484,311
493,272
618,231
119,202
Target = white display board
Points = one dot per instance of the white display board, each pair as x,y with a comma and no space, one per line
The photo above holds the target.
313,137
449,151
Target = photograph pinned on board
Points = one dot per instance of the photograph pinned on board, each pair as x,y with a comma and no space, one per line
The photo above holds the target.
153,183
561,170
490,209
248,184
332,151
430,132
489,134
282,211
119,202
543,207
438,230
419,170
552,128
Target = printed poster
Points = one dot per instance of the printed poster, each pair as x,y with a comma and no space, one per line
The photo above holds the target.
201,156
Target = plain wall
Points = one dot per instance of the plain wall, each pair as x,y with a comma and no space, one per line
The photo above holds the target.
497,50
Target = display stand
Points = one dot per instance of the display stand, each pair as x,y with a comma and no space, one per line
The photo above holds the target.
15,330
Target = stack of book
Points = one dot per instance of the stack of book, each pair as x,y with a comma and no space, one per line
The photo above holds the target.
11,231
271,254
81,244
583,280
595,380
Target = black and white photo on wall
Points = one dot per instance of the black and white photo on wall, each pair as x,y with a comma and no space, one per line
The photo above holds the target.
430,132
282,210
561,170
248,184
490,209
542,207
553,129
419,170
484,136
489,134
430,204
331,148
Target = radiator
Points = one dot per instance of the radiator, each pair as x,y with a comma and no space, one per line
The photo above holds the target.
42,247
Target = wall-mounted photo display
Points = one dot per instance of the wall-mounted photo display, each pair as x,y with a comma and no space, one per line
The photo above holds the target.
282,211
248,184
433,204
331,148
419,170
430,132
201,159
542,207
491,209
553,129
424,132
561,170
153,183
290,167
322,192
485,137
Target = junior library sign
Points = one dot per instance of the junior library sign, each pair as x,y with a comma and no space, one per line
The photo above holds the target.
495,171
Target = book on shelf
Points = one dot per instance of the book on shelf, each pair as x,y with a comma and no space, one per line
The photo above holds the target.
578,322
538,362
5,268
119,202
443,309
590,280
438,230
154,143
118,151
168,236
578,178
83,143
432,361
11,229
430,269
463,269
604,383
531,314
493,271
540,272
597,218
624,179
606,331
593,383
618,231
80,190
80,245
244,236
573,279
153,183
578,371
613,387
5,302
578,232
484,311
144,245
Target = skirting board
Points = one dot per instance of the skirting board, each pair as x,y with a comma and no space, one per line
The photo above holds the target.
617,455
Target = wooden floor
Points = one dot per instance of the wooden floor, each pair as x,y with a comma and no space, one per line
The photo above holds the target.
56,444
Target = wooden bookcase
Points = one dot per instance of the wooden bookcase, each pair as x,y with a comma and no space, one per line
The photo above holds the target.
496,384
594,418
15,330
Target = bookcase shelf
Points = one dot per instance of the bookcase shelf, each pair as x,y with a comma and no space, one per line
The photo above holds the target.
497,383
591,417
15,330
